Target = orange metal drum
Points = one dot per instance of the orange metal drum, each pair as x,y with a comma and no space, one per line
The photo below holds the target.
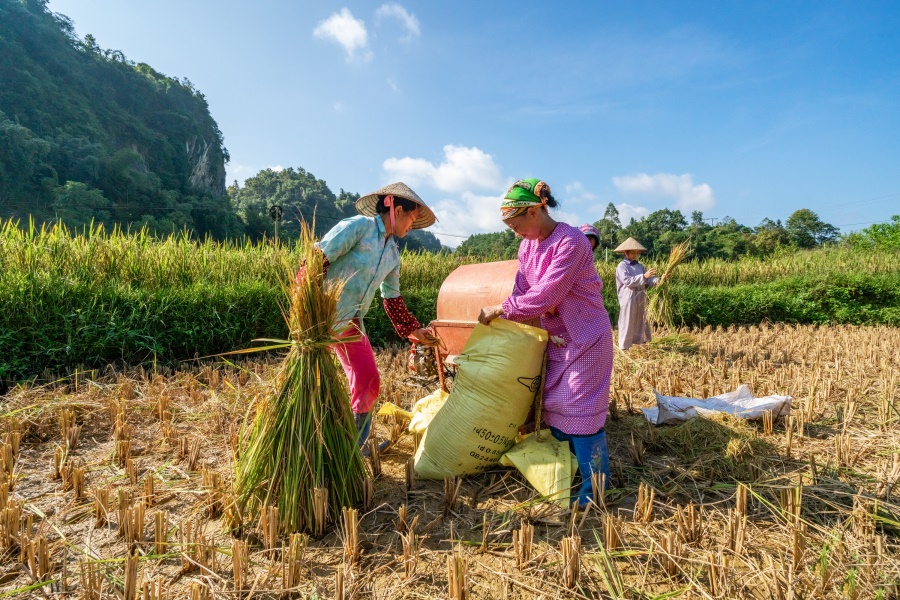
464,293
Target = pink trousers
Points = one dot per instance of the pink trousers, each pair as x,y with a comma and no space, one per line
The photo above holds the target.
358,361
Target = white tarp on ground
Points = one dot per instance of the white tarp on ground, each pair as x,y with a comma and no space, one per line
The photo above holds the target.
739,403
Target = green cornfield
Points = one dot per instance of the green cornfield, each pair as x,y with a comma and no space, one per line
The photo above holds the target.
91,298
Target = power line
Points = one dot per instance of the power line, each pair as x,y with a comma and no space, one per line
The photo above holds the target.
866,223
456,235
317,215
873,200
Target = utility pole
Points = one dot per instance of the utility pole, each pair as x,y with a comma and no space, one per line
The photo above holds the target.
276,212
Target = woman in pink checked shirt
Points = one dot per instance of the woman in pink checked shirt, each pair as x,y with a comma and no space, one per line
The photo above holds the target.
557,282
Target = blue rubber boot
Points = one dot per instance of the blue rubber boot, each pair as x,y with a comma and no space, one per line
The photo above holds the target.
364,426
592,455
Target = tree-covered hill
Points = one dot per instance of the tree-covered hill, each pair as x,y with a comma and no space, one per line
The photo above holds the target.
87,134
727,239
302,197
502,245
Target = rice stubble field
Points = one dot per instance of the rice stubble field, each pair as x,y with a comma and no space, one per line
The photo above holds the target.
118,484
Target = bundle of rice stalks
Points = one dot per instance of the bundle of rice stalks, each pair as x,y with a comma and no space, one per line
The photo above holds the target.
303,436
660,311
676,342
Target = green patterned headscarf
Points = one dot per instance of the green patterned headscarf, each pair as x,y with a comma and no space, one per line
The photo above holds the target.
524,194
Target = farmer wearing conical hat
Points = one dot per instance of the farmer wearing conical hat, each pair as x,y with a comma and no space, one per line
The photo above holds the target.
557,282
632,282
362,251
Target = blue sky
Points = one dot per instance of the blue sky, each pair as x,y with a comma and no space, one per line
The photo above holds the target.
740,109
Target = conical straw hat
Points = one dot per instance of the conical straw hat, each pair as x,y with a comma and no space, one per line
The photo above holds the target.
366,204
630,244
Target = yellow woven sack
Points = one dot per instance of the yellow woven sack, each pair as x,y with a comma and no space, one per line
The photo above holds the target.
498,373
389,409
548,465
424,410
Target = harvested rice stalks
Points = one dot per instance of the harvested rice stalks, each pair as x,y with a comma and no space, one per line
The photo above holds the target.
660,309
676,342
458,575
303,436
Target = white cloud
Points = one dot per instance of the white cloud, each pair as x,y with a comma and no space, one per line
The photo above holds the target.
680,187
239,172
409,20
566,217
473,213
393,84
473,188
347,31
467,215
577,198
575,191
463,169
628,212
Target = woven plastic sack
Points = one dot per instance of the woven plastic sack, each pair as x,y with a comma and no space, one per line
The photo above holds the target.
548,465
740,403
389,409
424,409
498,373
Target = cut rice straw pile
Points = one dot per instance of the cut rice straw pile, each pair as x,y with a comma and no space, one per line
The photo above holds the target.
676,342
303,436
660,310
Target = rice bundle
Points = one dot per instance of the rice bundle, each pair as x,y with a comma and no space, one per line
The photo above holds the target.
660,310
676,342
303,436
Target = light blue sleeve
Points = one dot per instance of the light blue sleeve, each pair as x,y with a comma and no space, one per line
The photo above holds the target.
390,287
343,237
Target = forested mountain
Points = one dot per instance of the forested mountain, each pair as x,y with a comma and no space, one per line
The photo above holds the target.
87,134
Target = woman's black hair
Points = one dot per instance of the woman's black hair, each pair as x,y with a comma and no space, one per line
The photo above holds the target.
545,194
406,205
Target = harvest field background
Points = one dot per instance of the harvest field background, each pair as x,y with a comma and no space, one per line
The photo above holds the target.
125,399
121,481
118,446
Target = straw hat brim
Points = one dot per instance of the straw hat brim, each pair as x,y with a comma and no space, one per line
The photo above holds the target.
366,204
630,244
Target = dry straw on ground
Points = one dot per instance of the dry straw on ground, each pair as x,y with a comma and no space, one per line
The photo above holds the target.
821,523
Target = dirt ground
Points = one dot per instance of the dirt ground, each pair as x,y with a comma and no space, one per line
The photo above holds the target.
800,508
